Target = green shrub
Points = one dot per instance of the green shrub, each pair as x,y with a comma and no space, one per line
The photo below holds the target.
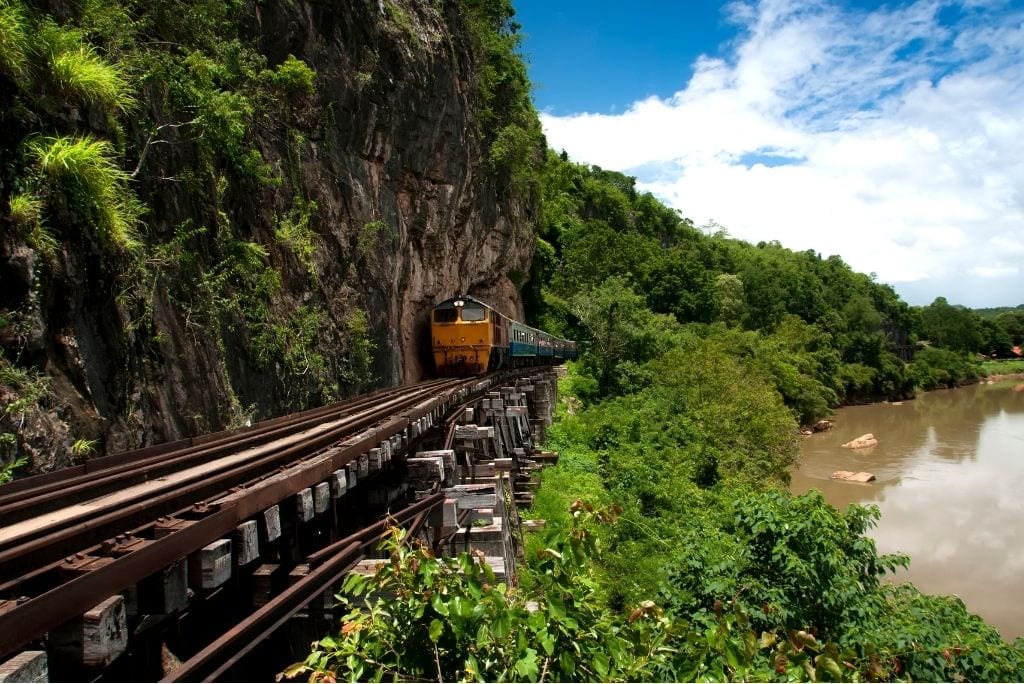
26,215
27,387
935,368
294,75
293,231
25,210
8,469
453,620
794,561
372,236
903,634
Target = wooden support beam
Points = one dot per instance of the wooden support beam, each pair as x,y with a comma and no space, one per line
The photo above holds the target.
27,666
248,538
97,638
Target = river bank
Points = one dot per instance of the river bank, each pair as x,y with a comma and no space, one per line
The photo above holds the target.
1002,376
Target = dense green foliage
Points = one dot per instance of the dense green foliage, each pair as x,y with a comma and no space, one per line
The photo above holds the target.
504,105
474,628
825,334
103,84
702,354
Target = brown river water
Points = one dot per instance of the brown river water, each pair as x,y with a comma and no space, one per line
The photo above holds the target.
950,485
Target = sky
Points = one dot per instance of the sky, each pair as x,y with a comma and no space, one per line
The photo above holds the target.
891,134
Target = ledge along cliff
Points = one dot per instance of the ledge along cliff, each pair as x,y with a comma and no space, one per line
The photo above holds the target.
252,214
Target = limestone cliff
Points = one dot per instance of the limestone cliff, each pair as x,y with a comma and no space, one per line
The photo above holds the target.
294,234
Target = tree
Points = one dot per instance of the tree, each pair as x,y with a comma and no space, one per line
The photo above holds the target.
951,327
729,298
620,327
1013,323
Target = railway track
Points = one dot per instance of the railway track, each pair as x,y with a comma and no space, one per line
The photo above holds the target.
69,540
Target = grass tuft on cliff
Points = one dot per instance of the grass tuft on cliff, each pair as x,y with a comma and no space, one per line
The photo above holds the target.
82,73
14,40
83,167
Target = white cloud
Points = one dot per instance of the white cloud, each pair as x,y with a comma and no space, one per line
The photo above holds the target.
905,137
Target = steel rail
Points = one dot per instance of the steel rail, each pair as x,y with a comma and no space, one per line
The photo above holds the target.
211,662
376,528
12,489
79,487
39,614
93,523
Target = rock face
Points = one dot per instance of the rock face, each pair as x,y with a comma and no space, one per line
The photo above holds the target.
408,211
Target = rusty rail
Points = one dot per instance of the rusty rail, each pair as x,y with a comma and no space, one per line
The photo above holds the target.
52,606
31,565
50,491
94,523
228,650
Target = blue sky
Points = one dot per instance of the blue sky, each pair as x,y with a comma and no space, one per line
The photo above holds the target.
891,134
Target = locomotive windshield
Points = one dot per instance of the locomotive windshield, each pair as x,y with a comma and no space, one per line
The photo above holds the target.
473,311
445,315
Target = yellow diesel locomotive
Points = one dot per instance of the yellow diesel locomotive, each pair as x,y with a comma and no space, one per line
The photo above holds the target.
469,338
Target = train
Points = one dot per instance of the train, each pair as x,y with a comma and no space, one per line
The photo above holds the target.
470,337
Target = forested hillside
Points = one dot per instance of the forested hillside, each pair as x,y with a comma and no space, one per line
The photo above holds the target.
825,334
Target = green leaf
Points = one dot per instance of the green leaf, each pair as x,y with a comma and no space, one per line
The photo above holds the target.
439,605
601,664
502,626
461,607
294,670
556,608
547,642
483,636
472,668
566,663
527,665
436,627
733,655
829,665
